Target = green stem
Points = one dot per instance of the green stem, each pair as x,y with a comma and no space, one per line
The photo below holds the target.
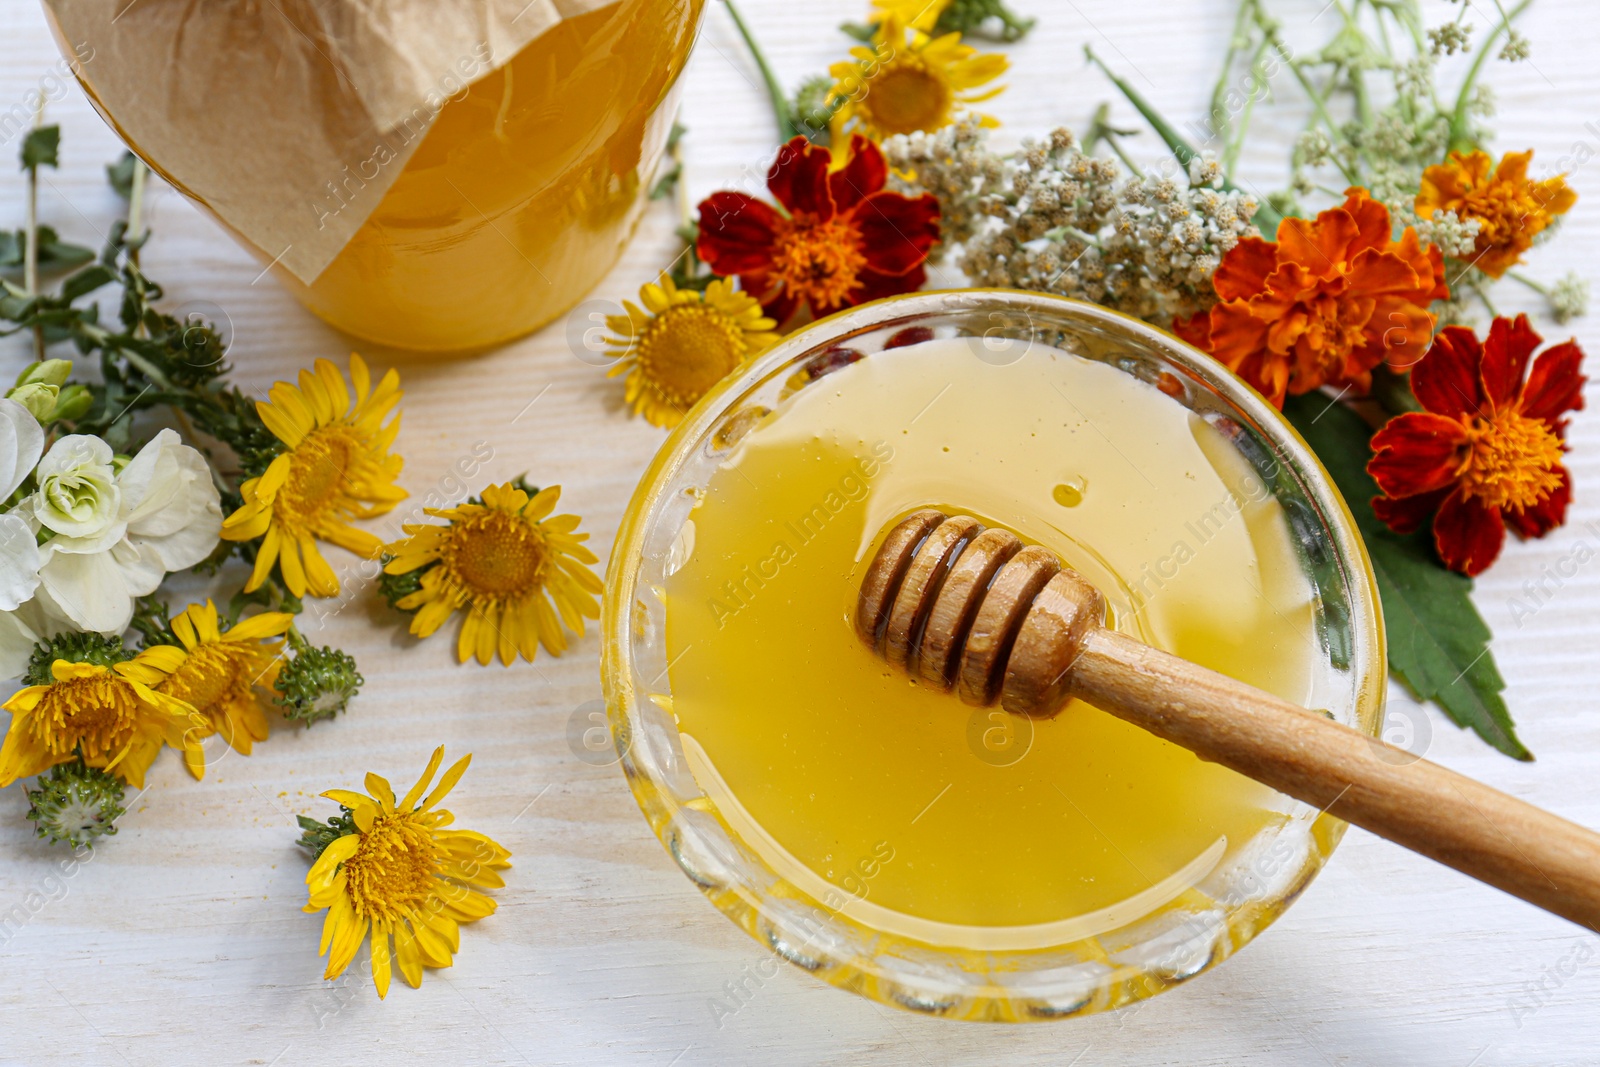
1355,74
1486,301
30,254
1181,149
1318,103
1392,390
780,103
1538,287
134,237
1236,135
1459,141
1219,91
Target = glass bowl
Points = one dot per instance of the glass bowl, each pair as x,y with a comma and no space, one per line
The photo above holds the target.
1257,878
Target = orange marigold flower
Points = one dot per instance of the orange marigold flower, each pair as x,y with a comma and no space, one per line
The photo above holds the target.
1485,453
1324,304
836,240
1511,209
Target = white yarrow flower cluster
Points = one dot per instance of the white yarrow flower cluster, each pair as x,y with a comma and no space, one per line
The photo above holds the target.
1455,236
85,532
1052,219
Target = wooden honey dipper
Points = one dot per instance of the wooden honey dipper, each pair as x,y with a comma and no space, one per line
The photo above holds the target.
960,606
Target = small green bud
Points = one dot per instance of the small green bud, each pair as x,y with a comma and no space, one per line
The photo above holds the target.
74,648
38,398
46,372
74,804
396,587
317,836
317,684
814,105
74,402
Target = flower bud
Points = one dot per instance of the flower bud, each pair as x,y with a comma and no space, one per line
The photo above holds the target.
46,372
74,402
38,397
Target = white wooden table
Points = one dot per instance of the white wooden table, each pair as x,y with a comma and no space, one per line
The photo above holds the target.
182,940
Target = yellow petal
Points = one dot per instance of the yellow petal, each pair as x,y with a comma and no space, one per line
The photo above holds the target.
381,969
448,782
410,801
379,788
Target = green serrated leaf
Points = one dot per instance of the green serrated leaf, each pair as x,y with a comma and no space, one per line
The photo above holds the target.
1438,643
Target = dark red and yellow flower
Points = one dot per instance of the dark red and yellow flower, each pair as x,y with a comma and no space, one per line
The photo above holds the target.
1485,453
1511,208
834,241
1327,302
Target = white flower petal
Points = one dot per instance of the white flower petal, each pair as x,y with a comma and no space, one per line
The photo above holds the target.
19,562
140,566
20,630
150,480
89,590
171,502
16,645
21,444
78,495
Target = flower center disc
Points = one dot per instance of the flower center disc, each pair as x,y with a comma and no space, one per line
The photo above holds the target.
687,350
98,712
1512,462
319,477
908,97
496,555
207,676
393,869
819,261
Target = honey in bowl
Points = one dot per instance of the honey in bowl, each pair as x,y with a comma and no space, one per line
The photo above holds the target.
895,804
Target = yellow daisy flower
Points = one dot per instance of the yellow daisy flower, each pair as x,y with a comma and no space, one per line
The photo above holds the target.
502,562
901,86
115,716
336,467
918,14
681,343
220,675
401,876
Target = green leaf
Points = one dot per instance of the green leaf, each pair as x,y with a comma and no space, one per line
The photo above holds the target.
87,281
55,255
120,175
1438,643
41,147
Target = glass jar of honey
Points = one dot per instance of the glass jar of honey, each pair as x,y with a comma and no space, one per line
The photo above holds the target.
878,832
531,172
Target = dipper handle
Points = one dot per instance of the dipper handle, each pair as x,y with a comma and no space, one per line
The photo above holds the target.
973,610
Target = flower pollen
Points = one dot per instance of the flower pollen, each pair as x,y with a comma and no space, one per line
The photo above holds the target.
906,97
1513,462
819,261
394,869
496,555
99,711
689,348
317,480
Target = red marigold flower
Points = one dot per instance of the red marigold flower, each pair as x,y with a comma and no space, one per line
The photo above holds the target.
837,239
1328,301
1486,451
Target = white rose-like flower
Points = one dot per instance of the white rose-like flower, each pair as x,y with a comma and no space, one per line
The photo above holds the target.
78,495
168,518
21,442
